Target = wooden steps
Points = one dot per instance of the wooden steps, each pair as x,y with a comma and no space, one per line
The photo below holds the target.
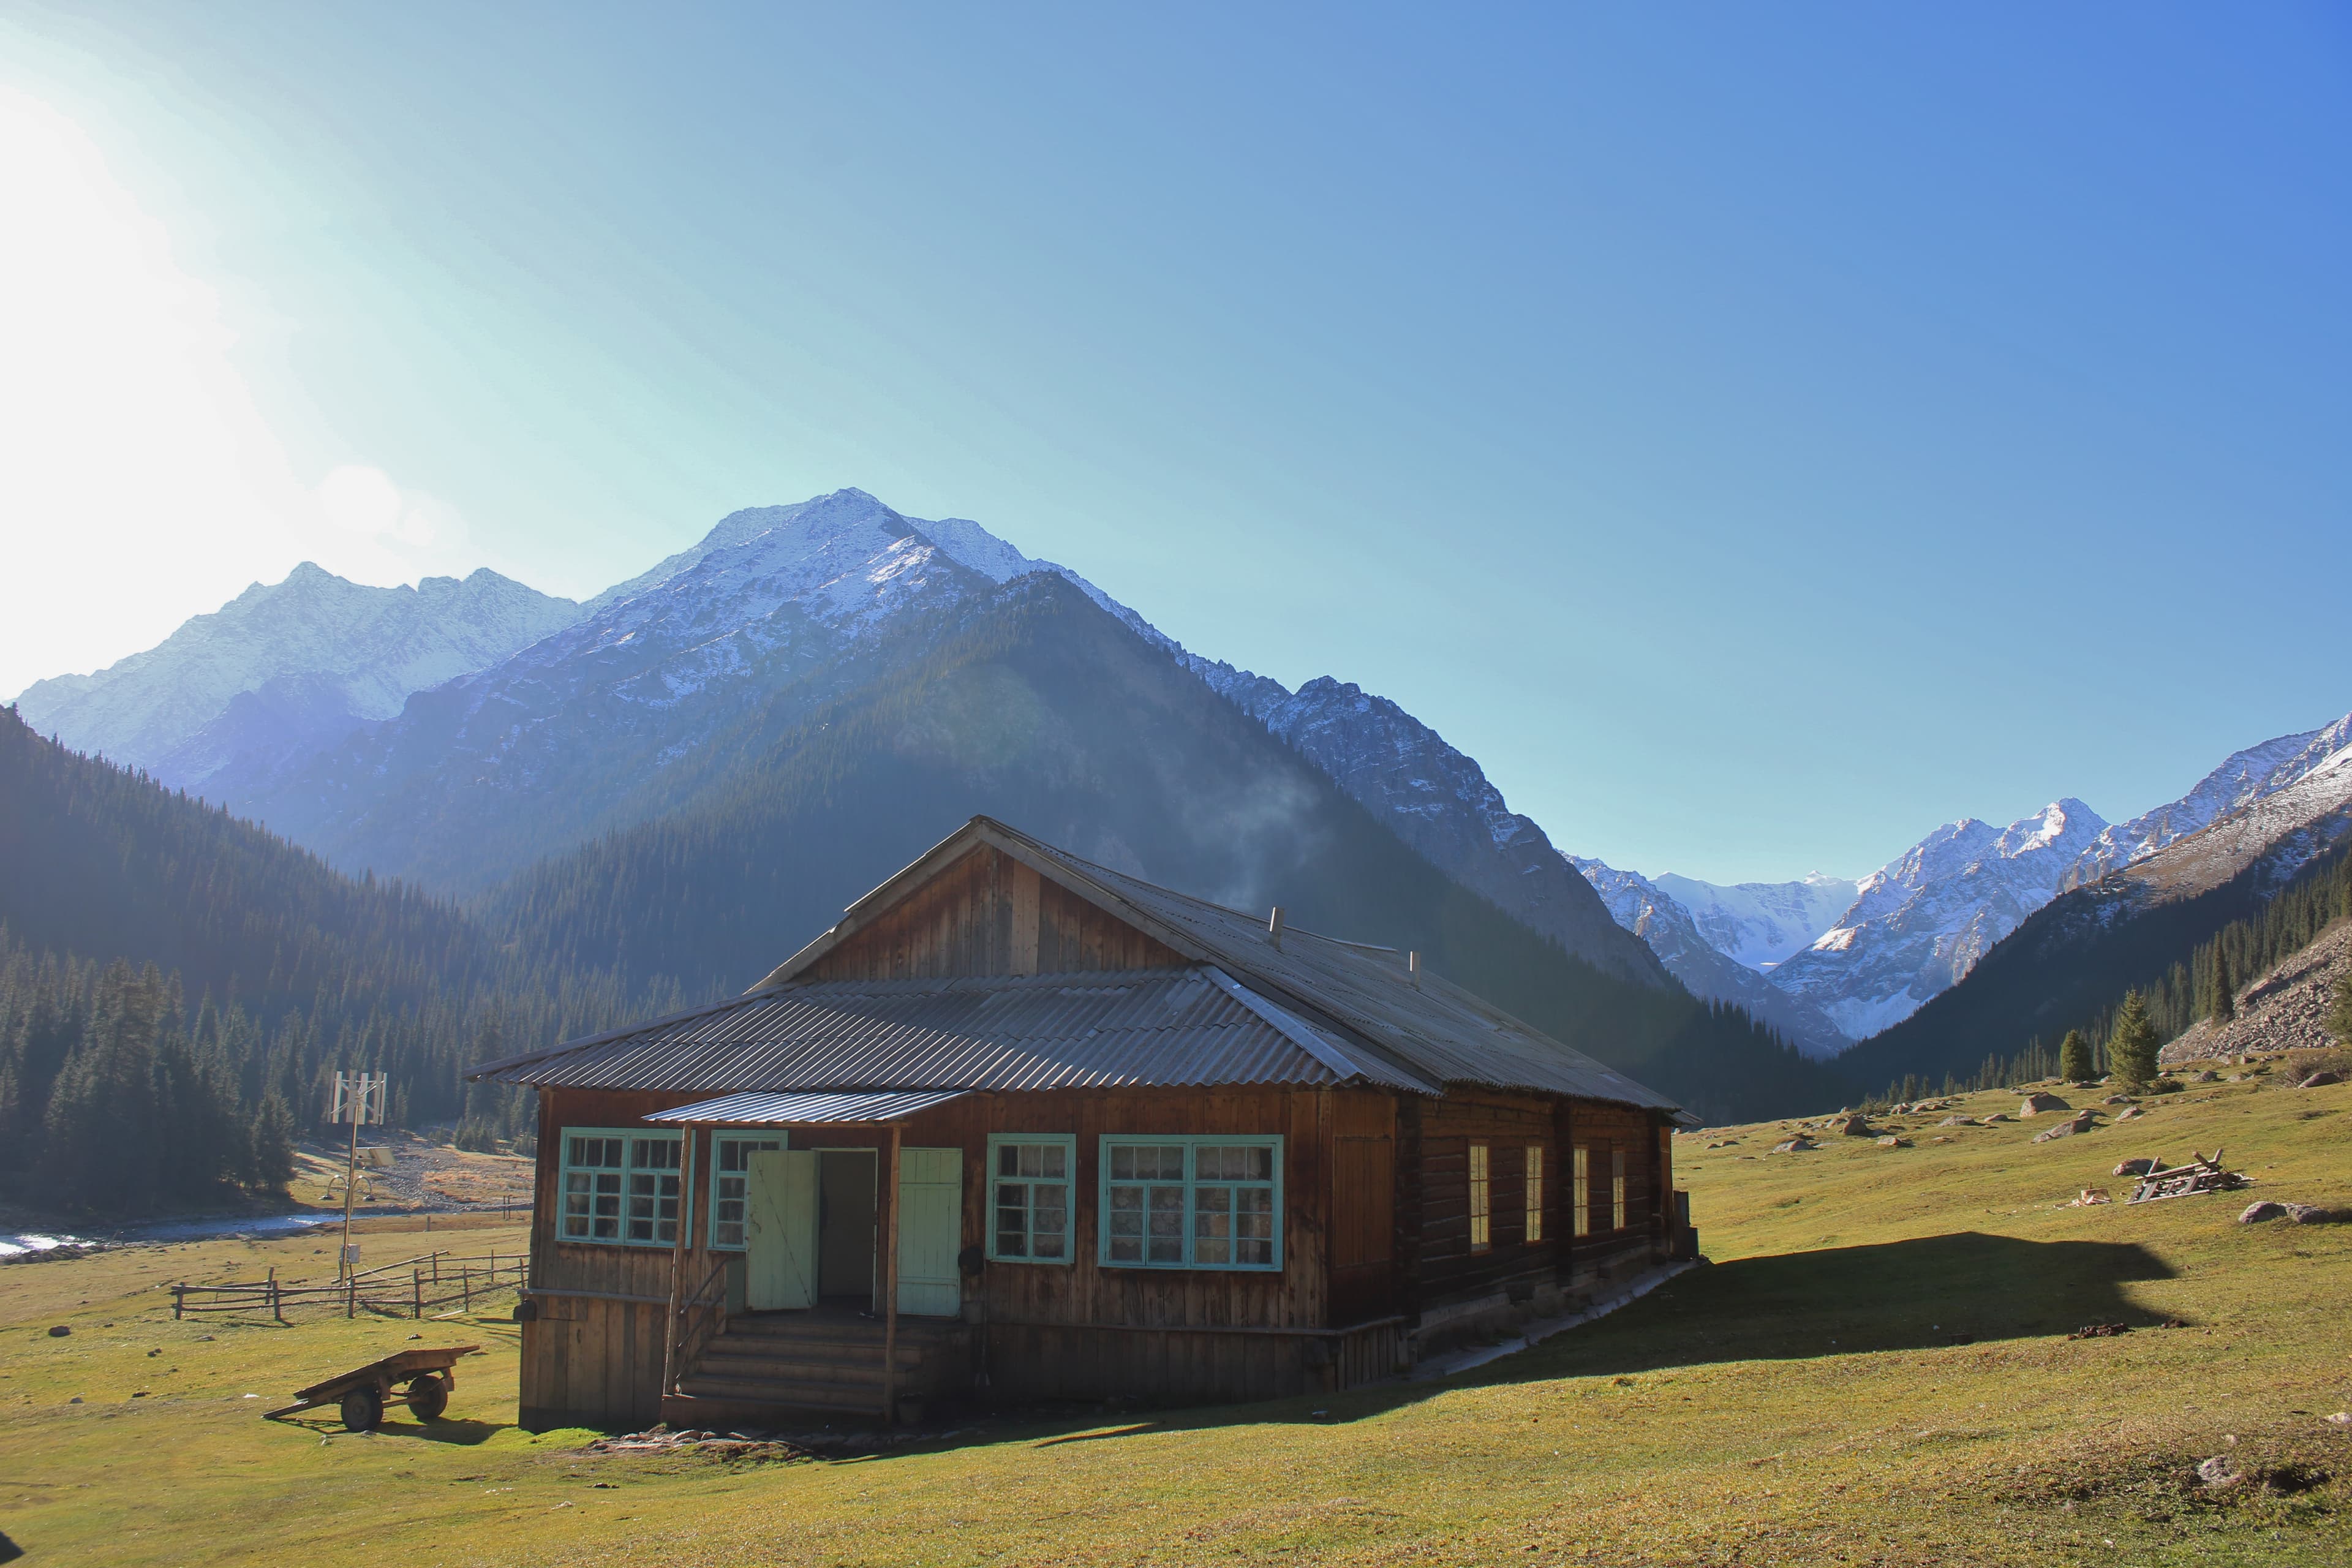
775,1363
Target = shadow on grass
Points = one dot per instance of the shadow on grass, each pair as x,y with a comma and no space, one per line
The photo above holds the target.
463,1434
458,1434
1931,1292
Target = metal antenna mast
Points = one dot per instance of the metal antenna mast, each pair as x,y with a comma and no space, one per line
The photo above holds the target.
359,1097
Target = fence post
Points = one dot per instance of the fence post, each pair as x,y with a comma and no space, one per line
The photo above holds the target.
179,1295
417,1292
351,1297
277,1302
466,1283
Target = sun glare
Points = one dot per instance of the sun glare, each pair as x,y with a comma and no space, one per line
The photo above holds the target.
123,413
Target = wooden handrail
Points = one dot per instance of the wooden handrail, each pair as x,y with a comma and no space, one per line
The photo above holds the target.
685,1341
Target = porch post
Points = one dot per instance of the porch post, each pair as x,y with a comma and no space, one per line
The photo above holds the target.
677,1263
890,1286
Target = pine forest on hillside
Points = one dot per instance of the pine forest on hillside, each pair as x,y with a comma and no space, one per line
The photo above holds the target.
177,989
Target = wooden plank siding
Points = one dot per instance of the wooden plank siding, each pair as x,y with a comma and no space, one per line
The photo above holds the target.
989,914
1376,1233
1054,1329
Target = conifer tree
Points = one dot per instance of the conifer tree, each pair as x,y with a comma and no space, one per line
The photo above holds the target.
2340,1011
2075,1064
2225,986
2132,1042
269,1158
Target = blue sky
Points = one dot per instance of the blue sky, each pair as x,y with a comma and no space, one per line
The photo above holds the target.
1756,435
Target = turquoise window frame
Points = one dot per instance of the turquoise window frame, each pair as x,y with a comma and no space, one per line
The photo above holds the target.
1192,1143
1067,1142
719,1175
624,1192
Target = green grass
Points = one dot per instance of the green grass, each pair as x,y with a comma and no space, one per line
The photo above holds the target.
1801,1400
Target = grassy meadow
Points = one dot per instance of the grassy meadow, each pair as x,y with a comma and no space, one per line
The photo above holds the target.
1874,1369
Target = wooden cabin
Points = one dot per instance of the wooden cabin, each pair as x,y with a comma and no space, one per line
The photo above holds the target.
1024,1128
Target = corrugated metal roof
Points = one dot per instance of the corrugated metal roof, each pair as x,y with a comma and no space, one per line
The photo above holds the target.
1157,1027
1432,1027
804,1110
1313,1010
1428,1029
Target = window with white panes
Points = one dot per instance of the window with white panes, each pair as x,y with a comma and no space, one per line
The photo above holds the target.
730,1185
1535,1192
651,1213
1029,1180
593,1165
1617,1189
1190,1203
618,1186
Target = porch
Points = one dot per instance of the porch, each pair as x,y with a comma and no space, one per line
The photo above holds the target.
770,1368
845,1297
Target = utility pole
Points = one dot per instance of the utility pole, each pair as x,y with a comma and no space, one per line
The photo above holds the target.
359,1097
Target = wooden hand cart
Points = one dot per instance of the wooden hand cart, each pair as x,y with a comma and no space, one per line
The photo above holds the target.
363,1394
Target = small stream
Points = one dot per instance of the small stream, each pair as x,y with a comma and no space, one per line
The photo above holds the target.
16,1244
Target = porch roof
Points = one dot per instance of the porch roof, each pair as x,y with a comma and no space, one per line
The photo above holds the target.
806,1110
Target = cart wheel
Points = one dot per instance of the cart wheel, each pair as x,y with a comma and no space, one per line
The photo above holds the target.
363,1408
427,1397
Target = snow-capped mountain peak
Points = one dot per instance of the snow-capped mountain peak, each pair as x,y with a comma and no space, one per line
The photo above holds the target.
2242,778
1761,924
287,666
1920,922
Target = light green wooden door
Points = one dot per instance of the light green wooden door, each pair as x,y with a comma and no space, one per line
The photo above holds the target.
780,1229
930,1232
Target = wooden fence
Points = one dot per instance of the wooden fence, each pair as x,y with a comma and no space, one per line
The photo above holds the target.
406,1289
486,1218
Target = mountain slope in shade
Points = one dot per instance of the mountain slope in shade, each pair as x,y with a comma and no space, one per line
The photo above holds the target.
1643,908
641,706
584,730
1035,706
2078,954
1761,924
1922,922
1442,803
283,669
2244,778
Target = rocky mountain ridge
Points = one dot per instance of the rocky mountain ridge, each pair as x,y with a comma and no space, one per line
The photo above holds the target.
285,667
2082,949
773,612
1922,922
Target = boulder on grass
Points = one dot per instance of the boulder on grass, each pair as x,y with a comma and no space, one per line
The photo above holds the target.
2135,1167
1957,1121
2312,1214
1999,1116
2039,1102
2255,1213
2321,1081
1855,1127
2131,1112
1891,1142
1795,1146
2208,1075
2081,1121
2119,1099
